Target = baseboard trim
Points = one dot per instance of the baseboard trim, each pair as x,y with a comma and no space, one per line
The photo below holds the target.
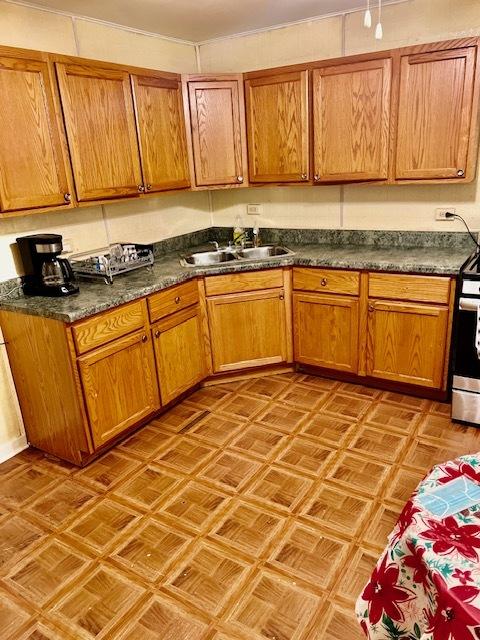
12,447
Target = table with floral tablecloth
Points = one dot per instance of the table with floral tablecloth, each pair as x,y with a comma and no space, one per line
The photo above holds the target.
426,585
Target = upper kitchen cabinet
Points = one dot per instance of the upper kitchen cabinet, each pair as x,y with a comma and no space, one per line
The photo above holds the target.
437,113
214,107
161,131
277,126
33,172
100,122
351,121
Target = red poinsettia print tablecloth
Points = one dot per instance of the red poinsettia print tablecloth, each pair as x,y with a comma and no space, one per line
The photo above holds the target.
426,585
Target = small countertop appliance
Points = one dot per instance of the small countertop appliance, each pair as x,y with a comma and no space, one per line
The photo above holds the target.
45,273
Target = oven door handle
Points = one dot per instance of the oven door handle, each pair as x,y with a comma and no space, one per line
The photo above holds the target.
469,304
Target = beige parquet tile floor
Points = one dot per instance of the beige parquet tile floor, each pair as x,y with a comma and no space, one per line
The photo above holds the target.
253,510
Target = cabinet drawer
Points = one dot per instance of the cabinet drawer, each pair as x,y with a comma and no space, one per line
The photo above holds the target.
407,287
164,303
99,330
238,282
327,281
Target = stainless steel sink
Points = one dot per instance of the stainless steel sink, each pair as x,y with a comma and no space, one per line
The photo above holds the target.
267,251
207,258
212,258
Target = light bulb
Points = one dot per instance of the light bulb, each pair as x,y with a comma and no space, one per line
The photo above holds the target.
378,31
367,20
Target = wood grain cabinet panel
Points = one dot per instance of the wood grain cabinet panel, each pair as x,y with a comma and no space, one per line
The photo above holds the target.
326,331
351,121
406,342
326,280
32,165
173,299
435,115
100,122
248,329
120,385
161,131
218,131
413,288
277,127
179,352
106,327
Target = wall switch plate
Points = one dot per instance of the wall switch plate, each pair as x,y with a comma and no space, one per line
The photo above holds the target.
440,213
254,209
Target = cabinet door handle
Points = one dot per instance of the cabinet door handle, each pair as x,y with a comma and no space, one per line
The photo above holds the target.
67,197
177,300
371,307
316,177
324,282
304,176
460,173
148,187
239,178
281,296
144,338
157,333
141,188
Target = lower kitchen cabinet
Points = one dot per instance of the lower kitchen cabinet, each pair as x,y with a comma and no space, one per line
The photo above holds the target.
326,331
120,385
179,352
407,342
248,329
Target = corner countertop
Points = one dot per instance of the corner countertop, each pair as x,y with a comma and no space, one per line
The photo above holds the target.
95,297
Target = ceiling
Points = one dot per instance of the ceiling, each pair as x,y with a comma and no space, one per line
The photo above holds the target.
198,20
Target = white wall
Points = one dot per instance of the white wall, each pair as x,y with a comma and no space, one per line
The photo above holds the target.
351,207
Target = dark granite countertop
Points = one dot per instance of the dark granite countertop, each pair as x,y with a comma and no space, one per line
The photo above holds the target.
95,297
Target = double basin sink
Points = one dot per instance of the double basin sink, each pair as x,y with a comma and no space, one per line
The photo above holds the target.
211,258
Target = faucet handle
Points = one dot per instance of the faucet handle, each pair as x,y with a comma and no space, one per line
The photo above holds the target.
215,244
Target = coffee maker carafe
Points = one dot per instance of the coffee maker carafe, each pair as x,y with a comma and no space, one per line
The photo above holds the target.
45,273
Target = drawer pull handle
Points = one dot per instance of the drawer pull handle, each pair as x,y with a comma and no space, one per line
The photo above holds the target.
323,282
177,300
281,296
157,333
144,338
371,308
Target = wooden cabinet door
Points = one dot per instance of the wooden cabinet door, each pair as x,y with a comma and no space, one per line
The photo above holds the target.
248,329
100,122
277,127
120,385
406,342
161,131
179,352
32,164
326,331
434,114
218,131
351,121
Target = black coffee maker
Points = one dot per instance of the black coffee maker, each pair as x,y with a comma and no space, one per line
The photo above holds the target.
45,273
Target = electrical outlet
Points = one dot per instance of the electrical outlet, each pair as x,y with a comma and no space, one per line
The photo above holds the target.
254,209
440,213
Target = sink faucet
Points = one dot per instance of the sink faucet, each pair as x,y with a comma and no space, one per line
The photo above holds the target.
215,244
256,234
